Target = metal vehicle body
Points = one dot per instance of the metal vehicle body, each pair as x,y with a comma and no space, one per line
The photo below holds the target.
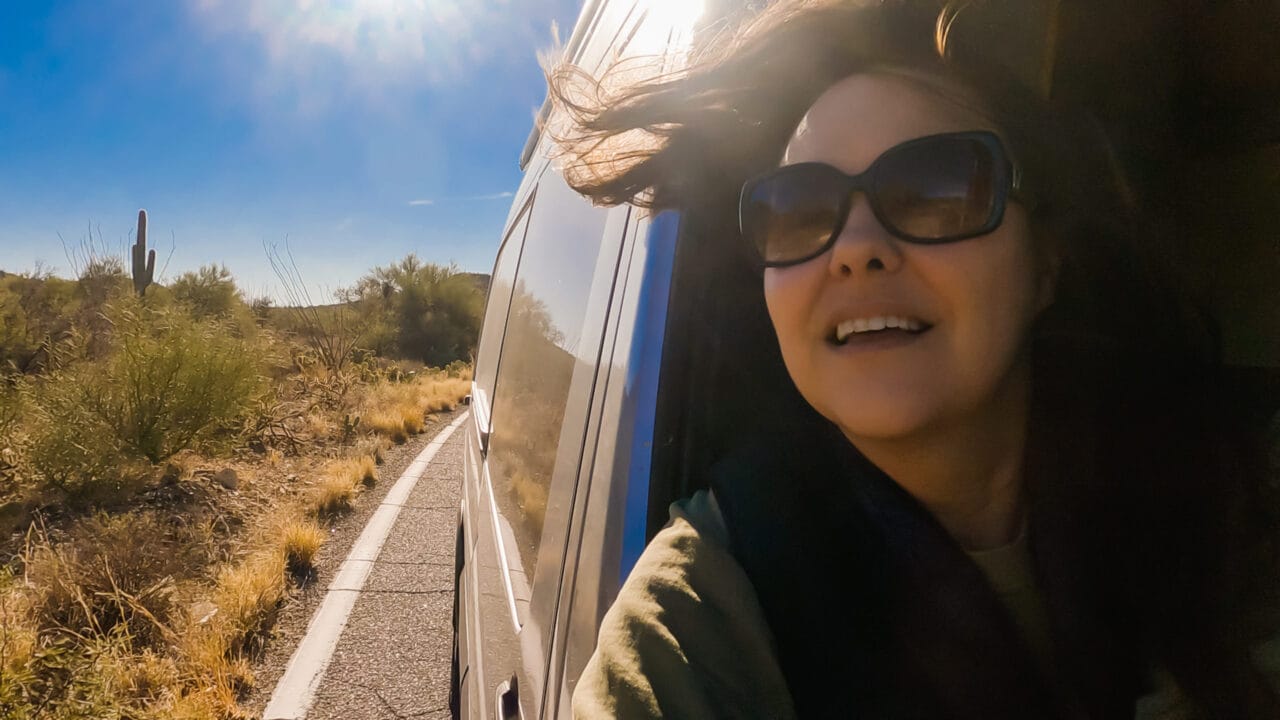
605,386
555,499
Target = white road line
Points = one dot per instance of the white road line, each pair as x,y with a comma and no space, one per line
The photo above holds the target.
297,688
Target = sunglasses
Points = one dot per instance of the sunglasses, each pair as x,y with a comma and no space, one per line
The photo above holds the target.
931,190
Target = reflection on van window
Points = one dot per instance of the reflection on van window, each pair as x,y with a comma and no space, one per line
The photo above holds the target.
504,272
544,324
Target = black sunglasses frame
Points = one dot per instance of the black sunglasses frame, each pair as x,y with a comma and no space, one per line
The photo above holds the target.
1007,183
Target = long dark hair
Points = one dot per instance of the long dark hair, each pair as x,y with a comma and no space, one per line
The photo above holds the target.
1164,502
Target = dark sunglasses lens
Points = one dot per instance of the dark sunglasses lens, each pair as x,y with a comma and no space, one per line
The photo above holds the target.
791,214
937,190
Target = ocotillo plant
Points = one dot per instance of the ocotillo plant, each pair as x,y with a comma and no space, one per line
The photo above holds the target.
144,263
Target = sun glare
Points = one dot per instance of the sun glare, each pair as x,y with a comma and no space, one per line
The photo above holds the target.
677,13
668,25
378,45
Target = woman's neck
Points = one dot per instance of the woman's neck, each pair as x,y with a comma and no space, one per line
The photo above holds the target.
968,474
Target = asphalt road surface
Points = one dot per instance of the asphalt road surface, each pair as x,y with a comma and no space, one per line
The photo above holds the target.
392,659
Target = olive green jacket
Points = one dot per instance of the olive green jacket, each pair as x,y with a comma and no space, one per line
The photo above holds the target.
686,637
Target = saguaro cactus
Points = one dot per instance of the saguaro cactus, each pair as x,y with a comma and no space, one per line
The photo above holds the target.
144,263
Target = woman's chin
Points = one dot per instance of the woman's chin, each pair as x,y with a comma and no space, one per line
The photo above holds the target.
896,409
890,424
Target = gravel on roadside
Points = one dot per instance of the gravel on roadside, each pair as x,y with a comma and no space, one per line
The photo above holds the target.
296,613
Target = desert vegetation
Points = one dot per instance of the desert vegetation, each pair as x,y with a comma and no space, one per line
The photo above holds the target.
171,454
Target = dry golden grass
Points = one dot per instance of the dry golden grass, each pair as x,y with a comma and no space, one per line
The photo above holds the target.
445,394
215,650
133,656
18,629
108,583
215,671
318,425
273,458
247,596
301,540
360,469
375,447
333,497
412,418
397,410
343,480
147,676
117,574
389,424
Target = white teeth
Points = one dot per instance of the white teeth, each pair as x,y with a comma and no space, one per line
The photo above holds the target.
861,325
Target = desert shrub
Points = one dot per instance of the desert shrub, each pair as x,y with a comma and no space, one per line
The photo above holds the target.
168,384
102,278
10,418
173,382
434,309
18,646
209,292
114,574
70,679
261,308
68,447
36,311
458,369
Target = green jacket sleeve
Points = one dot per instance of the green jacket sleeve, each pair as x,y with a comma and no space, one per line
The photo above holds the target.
686,637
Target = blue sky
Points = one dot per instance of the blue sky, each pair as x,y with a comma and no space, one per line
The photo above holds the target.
361,130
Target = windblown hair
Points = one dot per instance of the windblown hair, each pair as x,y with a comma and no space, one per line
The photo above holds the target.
1166,499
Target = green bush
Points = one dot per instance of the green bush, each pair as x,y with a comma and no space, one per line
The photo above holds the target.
209,292
433,310
168,383
35,312
174,382
68,447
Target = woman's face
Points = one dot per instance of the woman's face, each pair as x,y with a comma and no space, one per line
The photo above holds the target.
976,297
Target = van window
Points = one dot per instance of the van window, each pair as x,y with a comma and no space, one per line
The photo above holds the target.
495,314
539,351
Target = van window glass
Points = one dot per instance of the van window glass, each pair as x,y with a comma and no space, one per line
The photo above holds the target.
540,348
666,28
495,314
601,44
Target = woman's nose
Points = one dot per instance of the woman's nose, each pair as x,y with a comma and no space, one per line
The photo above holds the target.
864,246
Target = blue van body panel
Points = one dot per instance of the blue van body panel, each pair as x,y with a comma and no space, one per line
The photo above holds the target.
644,366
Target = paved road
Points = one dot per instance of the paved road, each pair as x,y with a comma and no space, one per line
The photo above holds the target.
392,660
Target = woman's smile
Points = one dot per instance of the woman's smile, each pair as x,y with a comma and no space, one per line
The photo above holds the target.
874,325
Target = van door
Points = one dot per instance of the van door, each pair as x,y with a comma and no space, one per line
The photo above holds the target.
612,502
468,673
529,442
536,394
